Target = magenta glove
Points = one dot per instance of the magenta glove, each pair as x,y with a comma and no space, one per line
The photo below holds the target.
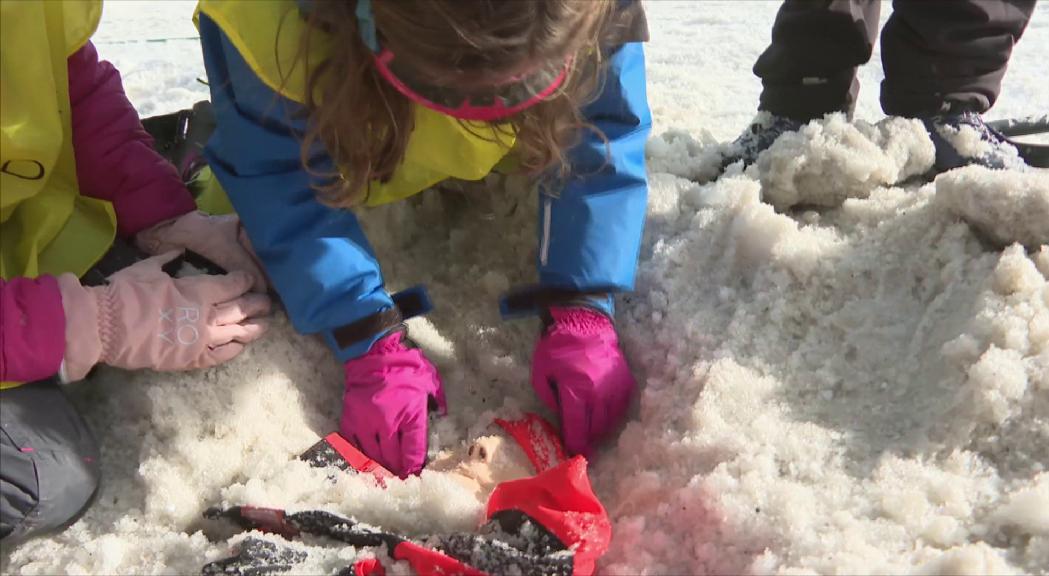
579,372
143,318
220,239
384,408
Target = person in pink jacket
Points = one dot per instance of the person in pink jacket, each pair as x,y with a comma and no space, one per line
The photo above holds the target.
79,172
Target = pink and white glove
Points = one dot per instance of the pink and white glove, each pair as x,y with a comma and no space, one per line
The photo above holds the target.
579,371
220,239
386,403
144,318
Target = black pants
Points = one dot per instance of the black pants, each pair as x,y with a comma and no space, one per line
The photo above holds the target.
935,53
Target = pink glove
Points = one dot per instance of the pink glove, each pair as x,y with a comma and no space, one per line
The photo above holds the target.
217,238
144,318
384,408
579,372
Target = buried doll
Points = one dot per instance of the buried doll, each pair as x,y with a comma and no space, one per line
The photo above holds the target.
541,517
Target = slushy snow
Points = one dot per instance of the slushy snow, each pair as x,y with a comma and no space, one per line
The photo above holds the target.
843,369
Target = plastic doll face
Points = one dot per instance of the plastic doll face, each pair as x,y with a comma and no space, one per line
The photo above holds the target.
484,463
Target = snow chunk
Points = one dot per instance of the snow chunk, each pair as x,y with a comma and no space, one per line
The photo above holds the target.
830,160
969,560
1006,206
679,153
1028,508
1000,380
1016,273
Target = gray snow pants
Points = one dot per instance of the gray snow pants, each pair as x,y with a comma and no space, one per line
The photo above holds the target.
49,468
48,461
936,54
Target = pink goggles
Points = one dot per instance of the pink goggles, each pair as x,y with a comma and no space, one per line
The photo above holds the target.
505,99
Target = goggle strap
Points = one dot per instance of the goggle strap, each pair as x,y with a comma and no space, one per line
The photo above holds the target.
366,25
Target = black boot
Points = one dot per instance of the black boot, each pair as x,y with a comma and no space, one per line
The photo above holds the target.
964,138
758,137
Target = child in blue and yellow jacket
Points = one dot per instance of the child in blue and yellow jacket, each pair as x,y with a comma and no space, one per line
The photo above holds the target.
327,105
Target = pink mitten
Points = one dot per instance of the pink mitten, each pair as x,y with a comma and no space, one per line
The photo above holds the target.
579,372
385,405
217,238
144,318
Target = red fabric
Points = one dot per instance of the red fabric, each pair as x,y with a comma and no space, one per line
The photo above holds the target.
427,562
356,459
559,497
537,438
115,159
562,500
32,329
369,567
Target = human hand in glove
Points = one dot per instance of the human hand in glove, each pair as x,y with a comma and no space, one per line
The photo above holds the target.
386,401
220,239
579,372
144,318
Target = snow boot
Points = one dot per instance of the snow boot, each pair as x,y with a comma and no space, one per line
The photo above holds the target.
963,138
765,130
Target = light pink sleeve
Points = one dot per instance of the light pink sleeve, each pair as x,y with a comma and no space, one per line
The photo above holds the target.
115,158
32,329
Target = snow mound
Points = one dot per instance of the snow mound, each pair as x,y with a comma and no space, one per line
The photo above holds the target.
830,160
862,390
175,444
1005,206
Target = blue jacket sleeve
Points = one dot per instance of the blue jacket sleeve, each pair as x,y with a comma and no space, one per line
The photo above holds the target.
590,229
317,257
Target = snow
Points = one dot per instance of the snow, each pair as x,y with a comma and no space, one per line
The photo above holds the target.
843,370
828,161
1005,208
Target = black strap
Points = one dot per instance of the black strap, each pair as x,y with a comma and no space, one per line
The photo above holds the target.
407,304
315,522
532,300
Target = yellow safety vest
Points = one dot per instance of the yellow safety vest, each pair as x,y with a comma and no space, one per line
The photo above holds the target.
46,226
267,35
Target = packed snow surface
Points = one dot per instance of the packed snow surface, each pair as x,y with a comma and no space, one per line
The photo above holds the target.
843,369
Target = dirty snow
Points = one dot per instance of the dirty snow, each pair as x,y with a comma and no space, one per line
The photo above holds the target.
856,383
